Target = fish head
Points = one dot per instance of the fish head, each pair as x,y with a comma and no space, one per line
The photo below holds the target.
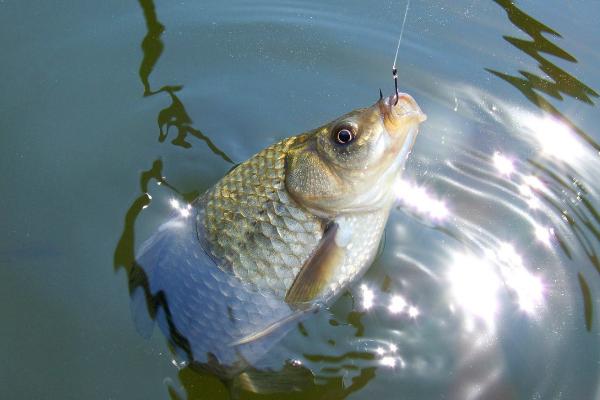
352,163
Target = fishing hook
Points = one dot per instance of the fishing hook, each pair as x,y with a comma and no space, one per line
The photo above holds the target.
395,75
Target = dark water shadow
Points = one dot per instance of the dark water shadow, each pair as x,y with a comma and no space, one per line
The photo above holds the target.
202,386
553,82
174,116
199,381
536,87
124,256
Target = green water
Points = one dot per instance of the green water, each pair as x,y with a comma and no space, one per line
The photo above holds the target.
101,101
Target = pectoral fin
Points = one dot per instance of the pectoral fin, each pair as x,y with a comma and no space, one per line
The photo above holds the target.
273,327
318,270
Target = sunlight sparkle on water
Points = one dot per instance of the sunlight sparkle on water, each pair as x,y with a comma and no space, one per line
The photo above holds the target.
527,189
534,203
476,282
387,356
503,164
554,137
508,254
388,361
184,211
397,304
534,182
417,198
543,234
367,297
413,312
529,289
475,286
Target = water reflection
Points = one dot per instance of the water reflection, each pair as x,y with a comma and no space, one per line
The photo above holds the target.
475,287
554,138
568,153
476,283
421,200
174,115
533,86
503,164
516,204
397,304
484,274
124,256
183,210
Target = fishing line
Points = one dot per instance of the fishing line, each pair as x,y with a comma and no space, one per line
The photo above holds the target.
394,69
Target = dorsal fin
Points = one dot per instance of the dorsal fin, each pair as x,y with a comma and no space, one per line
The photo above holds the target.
317,269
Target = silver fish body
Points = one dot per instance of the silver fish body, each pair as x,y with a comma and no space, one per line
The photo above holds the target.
259,233
282,233
206,310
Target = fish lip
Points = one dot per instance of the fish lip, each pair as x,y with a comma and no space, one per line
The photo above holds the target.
401,116
396,109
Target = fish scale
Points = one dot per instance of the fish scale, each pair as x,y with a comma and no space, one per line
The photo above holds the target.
277,237
209,307
262,235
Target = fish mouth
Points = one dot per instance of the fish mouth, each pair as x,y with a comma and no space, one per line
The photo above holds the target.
400,109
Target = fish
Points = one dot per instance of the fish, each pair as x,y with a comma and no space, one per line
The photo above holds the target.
279,237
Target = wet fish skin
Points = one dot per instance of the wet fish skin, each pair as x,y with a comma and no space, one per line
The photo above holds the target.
268,216
255,228
209,308
288,229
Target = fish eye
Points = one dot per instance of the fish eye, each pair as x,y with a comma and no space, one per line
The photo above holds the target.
344,135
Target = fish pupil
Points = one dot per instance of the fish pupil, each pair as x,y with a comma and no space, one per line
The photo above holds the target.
344,136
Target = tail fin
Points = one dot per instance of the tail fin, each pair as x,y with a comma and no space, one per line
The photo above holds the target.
291,378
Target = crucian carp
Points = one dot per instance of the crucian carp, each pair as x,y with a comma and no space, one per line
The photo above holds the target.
281,234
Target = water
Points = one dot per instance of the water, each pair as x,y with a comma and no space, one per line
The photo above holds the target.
488,283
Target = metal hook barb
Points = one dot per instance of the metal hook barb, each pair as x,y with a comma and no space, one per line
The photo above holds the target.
380,94
395,75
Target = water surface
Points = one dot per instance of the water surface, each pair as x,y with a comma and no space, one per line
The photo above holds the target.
487,286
